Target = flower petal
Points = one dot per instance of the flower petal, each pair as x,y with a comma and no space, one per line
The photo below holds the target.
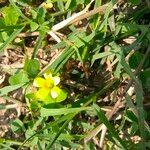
55,91
56,80
47,5
62,96
49,83
42,94
39,82
47,75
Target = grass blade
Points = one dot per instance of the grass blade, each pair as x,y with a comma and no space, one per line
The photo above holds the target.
7,89
10,39
112,130
61,111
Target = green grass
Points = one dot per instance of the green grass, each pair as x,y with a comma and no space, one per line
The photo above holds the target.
97,59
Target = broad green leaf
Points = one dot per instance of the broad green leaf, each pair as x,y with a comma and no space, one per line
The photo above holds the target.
2,23
34,14
32,67
12,2
61,111
18,78
5,90
41,15
60,94
10,16
33,26
4,35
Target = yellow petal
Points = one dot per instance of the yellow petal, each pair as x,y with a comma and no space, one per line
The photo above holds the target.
55,92
42,94
49,83
56,80
48,75
47,5
39,82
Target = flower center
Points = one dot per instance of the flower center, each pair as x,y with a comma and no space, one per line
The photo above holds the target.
48,84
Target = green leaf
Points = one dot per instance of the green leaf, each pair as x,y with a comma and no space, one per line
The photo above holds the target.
38,44
10,16
18,10
10,39
145,78
60,5
34,14
17,126
135,2
29,133
134,128
60,111
41,15
32,67
4,35
7,89
18,78
131,116
135,59
33,26
112,130
80,39
62,94
128,28
70,4
58,63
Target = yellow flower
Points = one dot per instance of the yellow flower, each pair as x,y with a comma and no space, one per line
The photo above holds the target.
47,5
48,90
